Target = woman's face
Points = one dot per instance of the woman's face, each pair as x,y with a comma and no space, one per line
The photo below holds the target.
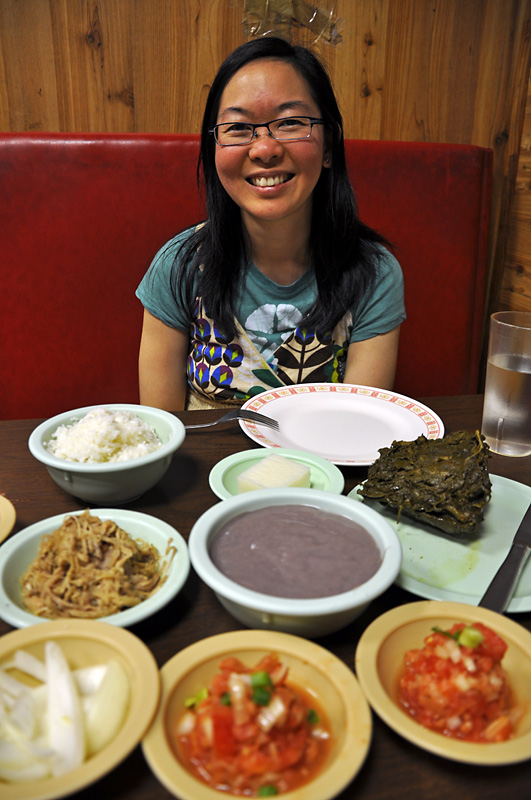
261,91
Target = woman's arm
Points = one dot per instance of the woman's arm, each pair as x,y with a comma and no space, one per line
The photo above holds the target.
162,365
372,362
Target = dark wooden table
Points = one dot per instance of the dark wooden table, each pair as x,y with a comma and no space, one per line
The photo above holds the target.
394,768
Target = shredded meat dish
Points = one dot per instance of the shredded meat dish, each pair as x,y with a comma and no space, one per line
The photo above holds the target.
89,568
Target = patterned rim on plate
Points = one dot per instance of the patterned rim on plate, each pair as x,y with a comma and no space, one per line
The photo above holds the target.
258,403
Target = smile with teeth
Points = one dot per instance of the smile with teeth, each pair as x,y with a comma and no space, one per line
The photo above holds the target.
270,180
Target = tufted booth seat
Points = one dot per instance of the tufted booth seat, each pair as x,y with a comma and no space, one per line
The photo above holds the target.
83,214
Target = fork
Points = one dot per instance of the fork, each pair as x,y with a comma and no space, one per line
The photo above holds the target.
239,413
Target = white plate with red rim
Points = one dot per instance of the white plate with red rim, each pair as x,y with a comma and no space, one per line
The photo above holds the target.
345,423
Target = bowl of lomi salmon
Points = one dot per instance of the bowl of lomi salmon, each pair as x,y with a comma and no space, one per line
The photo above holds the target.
257,714
107,455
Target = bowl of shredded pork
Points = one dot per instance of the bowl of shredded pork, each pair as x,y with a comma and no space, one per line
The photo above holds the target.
108,454
115,565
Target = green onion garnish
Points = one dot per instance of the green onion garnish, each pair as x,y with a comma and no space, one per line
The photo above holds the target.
195,699
470,637
467,637
447,633
267,791
260,679
261,696
313,717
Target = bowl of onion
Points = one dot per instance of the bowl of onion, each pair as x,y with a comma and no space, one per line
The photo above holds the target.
78,696
258,713
108,455
301,561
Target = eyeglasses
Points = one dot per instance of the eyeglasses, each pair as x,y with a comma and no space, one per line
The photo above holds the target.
287,129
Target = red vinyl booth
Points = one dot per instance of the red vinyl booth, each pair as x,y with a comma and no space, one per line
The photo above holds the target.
83,214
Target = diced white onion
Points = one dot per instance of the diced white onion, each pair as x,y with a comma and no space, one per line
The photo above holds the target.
462,682
275,712
455,651
186,724
238,693
453,723
279,674
320,733
207,728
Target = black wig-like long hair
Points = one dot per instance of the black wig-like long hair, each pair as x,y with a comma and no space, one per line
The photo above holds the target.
341,246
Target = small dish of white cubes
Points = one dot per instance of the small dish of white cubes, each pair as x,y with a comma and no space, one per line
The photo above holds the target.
252,470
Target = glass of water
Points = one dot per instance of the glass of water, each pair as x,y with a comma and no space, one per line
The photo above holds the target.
507,405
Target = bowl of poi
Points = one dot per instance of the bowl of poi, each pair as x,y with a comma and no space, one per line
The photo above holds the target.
258,713
297,560
108,454
78,696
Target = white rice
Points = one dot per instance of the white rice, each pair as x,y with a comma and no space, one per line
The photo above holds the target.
104,436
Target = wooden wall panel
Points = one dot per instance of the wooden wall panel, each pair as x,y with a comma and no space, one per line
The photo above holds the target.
92,45
515,290
427,70
29,67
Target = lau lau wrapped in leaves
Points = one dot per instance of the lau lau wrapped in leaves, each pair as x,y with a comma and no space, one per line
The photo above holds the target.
441,482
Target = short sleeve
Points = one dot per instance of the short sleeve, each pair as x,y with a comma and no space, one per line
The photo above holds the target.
155,292
383,308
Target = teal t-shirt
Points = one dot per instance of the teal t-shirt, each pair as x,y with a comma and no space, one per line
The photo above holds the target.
270,312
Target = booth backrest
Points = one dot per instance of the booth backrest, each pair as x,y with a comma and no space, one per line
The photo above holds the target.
83,214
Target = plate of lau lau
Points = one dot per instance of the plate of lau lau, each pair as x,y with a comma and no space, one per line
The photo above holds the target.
448,555
344,423
145,562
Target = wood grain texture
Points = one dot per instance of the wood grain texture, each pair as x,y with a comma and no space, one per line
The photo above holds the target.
515,289
407,70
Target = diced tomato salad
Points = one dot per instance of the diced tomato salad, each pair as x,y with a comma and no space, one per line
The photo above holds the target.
250,733
456,684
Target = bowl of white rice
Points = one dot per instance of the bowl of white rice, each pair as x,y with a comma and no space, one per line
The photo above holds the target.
108,454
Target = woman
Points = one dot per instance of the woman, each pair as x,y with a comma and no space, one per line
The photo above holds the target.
282,283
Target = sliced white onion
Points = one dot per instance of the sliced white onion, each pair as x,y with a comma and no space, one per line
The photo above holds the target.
65,723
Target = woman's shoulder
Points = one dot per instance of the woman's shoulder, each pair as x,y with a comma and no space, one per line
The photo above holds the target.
173,246
386,264
383,253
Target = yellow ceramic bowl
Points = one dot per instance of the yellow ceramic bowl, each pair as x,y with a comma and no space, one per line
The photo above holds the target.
86,643
379,660
310,666
8,516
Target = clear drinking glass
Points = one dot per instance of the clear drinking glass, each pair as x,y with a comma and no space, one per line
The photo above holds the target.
507,405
